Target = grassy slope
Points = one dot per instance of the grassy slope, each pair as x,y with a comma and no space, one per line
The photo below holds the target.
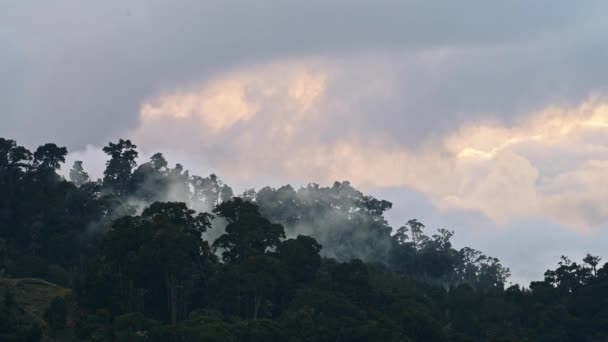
33,297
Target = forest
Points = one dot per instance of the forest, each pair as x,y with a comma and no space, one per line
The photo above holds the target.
151,252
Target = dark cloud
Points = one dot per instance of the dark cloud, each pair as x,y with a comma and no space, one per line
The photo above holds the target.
94,63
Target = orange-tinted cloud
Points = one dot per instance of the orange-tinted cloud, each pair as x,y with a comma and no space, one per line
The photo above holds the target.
269,117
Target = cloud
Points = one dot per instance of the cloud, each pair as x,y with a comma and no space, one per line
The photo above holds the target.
90,66
497,170
218,108
286,120
238,97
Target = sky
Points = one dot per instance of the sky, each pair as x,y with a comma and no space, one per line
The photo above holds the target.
486,118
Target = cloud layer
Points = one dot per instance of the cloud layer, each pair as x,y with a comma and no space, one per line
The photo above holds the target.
71,66
286,120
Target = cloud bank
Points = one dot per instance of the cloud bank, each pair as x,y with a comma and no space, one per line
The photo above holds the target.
285,120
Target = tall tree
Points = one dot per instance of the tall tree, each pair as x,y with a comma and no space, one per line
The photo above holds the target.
161,252
592,261
117,174
13,155
248,233
49,157
150,181
210,191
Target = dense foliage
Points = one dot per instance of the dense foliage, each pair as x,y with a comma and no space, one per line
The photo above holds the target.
153,253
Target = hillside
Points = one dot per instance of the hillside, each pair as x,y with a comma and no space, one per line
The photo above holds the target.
154,253
30,298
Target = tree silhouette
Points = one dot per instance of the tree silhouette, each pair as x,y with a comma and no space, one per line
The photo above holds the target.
49,157
248,233
117,174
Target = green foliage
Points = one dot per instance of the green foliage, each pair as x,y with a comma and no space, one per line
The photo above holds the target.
154,260
301,257
346,222
248,233
433,259
118,169
49,157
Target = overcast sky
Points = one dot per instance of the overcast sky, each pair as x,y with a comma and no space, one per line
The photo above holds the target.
488,118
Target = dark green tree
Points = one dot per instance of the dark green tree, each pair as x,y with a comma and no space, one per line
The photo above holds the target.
117,175
160,254
248,233
49,157
301,257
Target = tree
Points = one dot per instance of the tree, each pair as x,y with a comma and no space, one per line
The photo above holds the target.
77,174
401,235
49,157
14,162
248,195
248,233
177,247
592,261
178,214
248,248
210,190
13,155
179,179
226,193
117,174
158,162
346,222
160,252
417,230
301,257
150,182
